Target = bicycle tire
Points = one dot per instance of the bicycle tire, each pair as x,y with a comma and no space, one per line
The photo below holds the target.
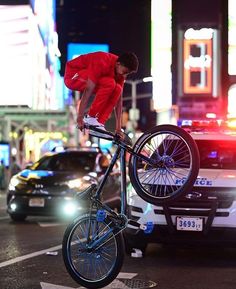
172,164
92,269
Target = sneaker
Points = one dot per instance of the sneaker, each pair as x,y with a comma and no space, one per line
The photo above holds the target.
92,121
89,120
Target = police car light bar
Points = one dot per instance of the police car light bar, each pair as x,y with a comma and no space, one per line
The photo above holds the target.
208,125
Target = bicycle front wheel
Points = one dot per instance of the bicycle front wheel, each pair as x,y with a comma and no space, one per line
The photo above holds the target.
165,164
92,267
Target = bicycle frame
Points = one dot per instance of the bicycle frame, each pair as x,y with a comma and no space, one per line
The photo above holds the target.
120,152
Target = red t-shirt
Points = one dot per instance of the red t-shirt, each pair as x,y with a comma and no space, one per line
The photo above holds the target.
97,64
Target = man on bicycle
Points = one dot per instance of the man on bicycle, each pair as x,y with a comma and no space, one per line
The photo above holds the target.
104,74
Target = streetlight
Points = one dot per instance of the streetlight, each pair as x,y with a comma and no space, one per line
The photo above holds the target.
134,112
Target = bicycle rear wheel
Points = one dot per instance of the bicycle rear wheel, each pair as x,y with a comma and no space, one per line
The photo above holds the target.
92,267
169,166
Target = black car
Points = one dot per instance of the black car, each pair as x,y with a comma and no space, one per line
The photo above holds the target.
48,187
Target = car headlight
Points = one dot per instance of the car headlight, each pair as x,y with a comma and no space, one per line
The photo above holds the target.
69,208
13,207
72,184
13,183
78,184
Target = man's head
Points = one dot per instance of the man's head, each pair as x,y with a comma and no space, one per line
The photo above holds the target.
127,63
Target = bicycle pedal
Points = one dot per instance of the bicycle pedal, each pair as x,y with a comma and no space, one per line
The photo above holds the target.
101,215
149,228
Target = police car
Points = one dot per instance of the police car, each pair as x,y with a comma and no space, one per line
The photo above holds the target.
206,213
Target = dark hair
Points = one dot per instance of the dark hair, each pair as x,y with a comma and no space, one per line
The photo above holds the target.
129,60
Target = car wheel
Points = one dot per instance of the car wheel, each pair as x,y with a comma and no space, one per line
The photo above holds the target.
18,217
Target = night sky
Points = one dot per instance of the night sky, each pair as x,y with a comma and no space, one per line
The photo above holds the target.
125,25
122,24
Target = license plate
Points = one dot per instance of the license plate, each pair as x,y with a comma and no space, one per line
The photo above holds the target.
36,202
189,224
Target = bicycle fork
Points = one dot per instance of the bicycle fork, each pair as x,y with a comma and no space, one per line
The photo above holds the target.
114,224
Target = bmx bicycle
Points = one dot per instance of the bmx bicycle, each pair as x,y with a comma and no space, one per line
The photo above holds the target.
163,164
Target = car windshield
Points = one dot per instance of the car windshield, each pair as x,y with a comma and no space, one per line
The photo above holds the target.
218,154
77,162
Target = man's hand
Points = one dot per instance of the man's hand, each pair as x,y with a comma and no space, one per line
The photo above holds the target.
124,137
120,133
80,122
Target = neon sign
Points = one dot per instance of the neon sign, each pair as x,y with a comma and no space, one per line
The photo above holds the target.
161,54
231,37
197,66
203,33
198,61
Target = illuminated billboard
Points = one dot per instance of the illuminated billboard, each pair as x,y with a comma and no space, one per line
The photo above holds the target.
197,66
15,70
199,62
5,153
45,12
76,49
37,143
29,65
161,53
231,37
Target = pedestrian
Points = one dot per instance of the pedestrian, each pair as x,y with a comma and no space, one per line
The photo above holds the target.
14,167
104,74
2,175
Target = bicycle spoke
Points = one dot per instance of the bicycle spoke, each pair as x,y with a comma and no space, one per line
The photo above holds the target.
169,166
94,263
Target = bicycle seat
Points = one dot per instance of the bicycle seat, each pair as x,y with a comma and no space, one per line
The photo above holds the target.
100,133
95,131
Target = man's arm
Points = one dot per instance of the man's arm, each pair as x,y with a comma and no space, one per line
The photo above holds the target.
83,103
118,114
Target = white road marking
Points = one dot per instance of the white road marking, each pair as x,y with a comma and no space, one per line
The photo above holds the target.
115,284
4,218
28,256
124,275
52,286
44,225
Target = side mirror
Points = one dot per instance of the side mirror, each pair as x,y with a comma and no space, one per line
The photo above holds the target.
28,166
93,175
